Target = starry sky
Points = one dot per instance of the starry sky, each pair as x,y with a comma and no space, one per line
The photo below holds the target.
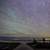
24,18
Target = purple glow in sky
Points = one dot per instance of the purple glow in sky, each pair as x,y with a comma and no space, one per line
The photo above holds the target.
24,17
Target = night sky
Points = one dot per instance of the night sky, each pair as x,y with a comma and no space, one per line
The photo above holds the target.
25,17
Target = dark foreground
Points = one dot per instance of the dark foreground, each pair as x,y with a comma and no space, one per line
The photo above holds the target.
9,43
26,47
18,46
